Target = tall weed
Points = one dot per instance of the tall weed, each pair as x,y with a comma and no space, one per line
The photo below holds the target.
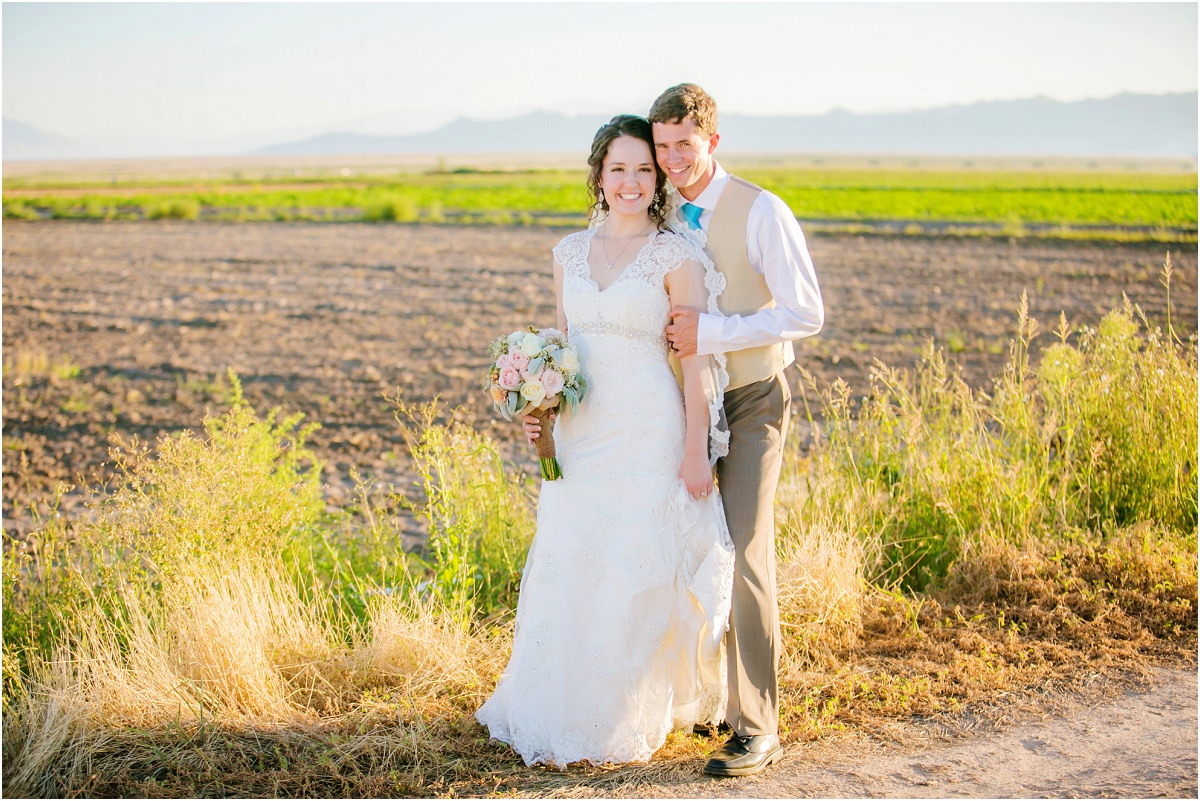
1100,433
478,514
248,488
1124,401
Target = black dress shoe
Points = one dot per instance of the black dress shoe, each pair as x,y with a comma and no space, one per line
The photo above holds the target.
708,730
742,756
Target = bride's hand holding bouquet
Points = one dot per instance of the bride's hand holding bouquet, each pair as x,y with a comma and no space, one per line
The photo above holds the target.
535,373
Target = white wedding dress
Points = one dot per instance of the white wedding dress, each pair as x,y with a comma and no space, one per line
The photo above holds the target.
626,589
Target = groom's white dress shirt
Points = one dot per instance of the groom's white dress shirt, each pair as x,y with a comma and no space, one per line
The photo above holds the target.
777,251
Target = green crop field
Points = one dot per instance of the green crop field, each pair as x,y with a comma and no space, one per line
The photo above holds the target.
1126,205
1043,198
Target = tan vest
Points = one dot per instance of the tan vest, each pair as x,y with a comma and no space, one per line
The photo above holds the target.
746,291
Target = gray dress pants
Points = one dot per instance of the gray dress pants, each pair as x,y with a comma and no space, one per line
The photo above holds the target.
757,415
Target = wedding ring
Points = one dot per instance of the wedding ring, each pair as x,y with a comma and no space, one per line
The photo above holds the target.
705,492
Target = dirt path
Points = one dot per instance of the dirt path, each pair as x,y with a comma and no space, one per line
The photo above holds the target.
1142,744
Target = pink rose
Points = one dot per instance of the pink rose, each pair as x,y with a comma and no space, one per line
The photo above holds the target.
518,359
552,381
509,378
505,362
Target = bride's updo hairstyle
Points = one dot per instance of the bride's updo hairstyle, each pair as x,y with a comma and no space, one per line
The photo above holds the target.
638,128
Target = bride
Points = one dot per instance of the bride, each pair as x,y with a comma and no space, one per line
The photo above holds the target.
626,588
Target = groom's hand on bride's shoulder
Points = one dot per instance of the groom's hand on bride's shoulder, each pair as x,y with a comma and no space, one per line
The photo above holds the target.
533,426
681,332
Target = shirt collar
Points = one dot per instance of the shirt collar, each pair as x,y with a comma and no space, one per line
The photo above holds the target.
712,193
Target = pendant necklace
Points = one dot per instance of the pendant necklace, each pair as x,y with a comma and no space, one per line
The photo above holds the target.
610,263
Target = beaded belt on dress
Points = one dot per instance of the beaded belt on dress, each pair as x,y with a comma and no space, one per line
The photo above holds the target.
617,330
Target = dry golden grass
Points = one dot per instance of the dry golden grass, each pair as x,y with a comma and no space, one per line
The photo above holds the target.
235,685
821,593
223,652
428,663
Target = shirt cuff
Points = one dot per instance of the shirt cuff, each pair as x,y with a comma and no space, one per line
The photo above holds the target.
708,335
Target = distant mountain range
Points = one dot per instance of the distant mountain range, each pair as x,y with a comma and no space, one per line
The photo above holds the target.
1124,125
23,142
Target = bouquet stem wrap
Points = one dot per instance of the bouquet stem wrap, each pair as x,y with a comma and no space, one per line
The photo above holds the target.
545,446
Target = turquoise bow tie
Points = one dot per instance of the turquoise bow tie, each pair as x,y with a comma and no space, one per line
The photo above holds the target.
691,213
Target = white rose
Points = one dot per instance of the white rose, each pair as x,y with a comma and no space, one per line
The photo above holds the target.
533,391
532,345
569,361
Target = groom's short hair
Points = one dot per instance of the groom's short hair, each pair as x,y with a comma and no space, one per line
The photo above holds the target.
686,101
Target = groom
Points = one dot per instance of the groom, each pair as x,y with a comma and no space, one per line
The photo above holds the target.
770,299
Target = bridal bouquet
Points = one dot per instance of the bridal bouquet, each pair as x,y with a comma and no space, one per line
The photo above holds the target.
536,372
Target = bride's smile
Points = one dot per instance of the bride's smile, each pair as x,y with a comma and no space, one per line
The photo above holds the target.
628,178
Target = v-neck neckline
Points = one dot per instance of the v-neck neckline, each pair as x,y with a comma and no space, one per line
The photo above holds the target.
587,261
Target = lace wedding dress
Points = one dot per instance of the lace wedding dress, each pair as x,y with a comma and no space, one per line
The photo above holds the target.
626,589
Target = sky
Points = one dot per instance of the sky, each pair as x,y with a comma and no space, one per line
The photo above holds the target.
240,71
